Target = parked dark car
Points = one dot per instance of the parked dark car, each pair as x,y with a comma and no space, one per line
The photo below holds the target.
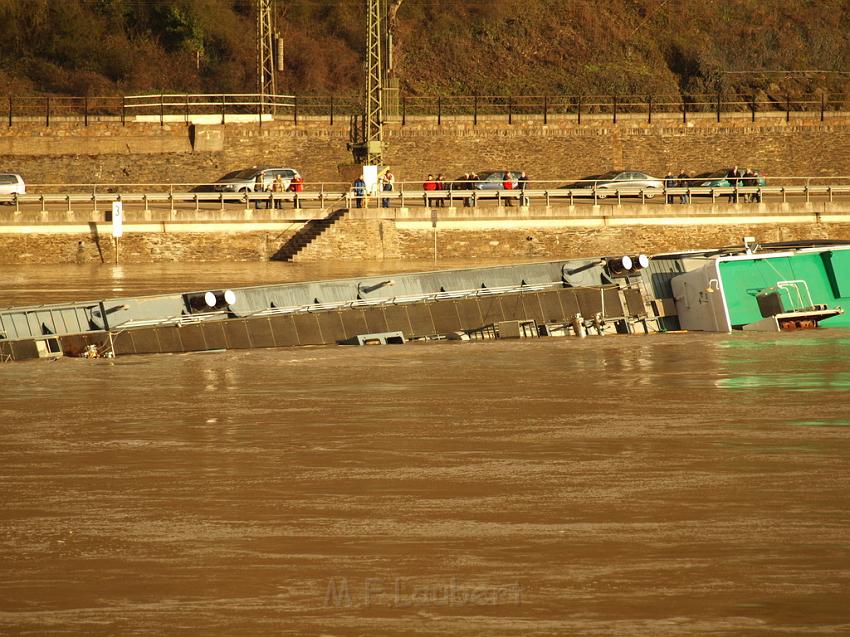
720,179
629,183
494,179
487,180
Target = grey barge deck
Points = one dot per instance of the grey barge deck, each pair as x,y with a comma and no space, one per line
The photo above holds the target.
519,300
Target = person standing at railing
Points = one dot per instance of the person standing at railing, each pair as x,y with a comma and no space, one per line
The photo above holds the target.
359,188
440,186
260,186
684,182
465,185
750,180
508,184
522,182
429,187
669,182
734,179
296,185
756,196
388,183
277,189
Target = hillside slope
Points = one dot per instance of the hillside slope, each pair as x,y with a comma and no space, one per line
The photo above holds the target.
102,47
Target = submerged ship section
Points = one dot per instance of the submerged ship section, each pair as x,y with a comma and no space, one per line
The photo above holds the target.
772,288
544,299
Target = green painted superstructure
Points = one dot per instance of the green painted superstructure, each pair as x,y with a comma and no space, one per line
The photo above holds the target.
826,274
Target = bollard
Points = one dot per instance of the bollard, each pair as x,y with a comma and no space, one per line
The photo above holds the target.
578,326
598,324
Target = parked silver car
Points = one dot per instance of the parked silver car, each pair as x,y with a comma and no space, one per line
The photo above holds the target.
249,179
629,183
12,184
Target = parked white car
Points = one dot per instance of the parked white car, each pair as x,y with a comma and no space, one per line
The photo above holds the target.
12,184
248,180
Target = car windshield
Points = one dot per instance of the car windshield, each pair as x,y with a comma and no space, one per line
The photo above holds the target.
609,175
497,175
8,179
247,173
229,175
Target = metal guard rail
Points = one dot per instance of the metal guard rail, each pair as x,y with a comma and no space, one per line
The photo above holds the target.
415,197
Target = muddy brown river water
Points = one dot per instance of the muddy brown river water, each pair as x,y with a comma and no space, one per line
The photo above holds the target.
678,484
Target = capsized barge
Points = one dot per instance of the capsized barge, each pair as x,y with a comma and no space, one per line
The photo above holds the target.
597,295
777,287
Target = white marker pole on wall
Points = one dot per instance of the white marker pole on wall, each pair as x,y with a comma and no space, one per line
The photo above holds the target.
434,226
117,225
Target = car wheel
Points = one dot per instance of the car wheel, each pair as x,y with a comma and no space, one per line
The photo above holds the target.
601,194
649,194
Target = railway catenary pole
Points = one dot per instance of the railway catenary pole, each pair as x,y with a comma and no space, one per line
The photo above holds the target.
374,84
265,55
368,149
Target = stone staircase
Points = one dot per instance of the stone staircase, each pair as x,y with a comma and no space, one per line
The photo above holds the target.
312,230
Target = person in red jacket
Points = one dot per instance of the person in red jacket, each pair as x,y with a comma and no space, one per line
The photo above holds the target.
429,186
508,184
296,185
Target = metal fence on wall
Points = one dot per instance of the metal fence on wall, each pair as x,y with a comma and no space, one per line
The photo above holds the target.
612,107
223,108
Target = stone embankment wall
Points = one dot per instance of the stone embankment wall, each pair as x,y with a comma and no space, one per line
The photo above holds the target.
145,153
376,240
95,244
410,234
563,243
567,233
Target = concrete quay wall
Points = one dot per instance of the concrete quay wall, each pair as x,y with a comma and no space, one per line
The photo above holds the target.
410,234
146,153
